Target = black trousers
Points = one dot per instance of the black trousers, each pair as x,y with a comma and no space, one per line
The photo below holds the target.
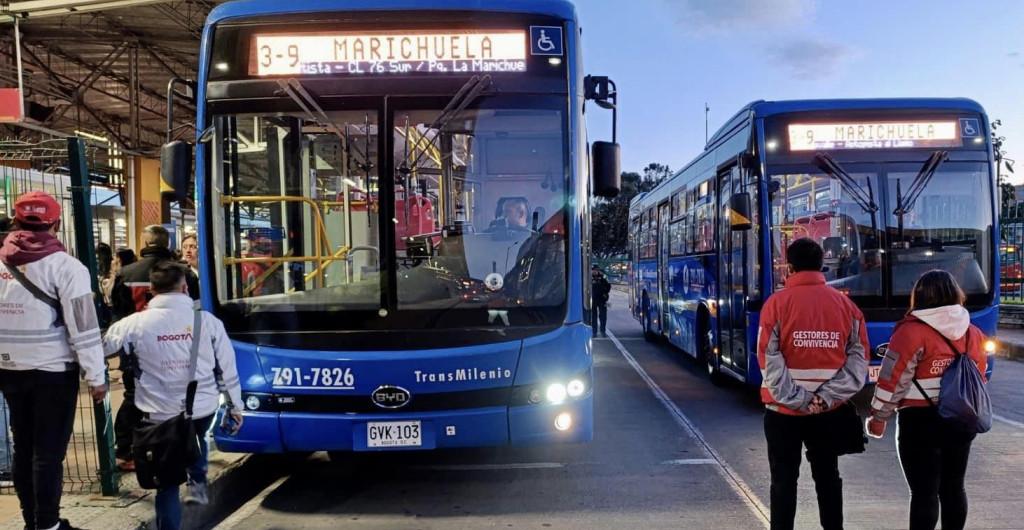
599,316
42,416
934,459
787,436
128,416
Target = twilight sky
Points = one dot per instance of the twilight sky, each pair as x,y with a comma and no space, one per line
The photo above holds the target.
670,56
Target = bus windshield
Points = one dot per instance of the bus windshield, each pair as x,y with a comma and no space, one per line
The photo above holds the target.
475,208
947,227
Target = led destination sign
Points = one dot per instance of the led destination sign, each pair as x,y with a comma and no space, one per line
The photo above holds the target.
389,53
873,135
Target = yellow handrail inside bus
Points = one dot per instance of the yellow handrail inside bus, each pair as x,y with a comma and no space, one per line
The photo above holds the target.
320,239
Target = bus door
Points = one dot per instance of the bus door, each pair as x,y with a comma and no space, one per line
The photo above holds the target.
663,247
732,280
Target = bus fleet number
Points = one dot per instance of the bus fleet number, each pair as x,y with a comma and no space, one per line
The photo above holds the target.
319,377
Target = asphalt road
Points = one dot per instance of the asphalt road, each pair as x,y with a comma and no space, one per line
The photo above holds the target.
670,451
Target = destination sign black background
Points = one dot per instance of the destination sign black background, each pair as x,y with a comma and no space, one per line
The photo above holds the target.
233,41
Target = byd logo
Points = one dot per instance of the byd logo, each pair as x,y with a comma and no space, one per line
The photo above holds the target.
390,397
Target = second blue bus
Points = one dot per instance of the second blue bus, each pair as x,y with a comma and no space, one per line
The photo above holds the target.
890,188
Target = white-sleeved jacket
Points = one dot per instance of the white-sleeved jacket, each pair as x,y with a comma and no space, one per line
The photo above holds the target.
161,338
32,337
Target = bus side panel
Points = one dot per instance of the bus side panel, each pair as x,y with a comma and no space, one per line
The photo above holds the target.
691,284
647,273
753,367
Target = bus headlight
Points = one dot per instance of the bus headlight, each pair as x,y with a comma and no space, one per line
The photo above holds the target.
563,421
990,346
556,393
575,388
252,402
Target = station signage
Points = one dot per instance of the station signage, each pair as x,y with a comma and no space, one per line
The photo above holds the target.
383,53
874,135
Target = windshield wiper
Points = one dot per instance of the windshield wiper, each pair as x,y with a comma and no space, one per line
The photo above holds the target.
471,90
864,198
904,203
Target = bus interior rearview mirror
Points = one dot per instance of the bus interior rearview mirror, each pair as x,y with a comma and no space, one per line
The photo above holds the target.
605,156
740,211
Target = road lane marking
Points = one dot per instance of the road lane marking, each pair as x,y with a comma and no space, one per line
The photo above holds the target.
491,467
1008,421
249,508
690,462
732,478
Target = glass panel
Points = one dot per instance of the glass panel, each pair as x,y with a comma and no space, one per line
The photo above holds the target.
818,207
300,221
947,227
480,208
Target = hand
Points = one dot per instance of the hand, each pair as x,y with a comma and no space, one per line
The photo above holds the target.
232,422
98,393
817,405
875,427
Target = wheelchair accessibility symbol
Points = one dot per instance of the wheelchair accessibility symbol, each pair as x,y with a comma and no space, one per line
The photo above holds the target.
546,40
969,127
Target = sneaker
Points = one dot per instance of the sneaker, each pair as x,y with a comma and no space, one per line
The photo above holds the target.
66,525
198,493
6,479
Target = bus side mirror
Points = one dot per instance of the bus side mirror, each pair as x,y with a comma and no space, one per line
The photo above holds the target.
605,157
740,211
606,172
176,167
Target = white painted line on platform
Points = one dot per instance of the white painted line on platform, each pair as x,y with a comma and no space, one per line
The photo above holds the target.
491,467
745,492
690,462
249,508
1008,421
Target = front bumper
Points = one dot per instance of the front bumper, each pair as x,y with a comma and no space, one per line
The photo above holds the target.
278,432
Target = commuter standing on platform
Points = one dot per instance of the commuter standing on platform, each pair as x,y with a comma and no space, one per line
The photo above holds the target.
600,291
131,293
162,338
812,347
48,335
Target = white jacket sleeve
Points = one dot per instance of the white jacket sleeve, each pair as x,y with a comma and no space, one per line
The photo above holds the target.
116,337
225,356
76,300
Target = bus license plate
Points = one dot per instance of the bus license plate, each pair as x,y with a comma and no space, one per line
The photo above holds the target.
394,434
873,372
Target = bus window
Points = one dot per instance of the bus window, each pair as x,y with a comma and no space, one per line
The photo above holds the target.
817,207
299,222
499,233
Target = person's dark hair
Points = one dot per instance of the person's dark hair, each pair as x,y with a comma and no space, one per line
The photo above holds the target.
156,236
805,254
5,223
935,288
166,277
127,256
104,259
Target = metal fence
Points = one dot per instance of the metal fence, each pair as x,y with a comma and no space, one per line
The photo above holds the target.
1011,246
88,465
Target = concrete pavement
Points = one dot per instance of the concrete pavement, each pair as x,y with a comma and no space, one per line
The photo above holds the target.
647,467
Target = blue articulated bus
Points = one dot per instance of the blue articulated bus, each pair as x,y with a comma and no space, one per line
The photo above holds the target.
890,188
392,200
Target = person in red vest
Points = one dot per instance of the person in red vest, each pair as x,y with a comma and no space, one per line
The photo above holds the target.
813,352
933,454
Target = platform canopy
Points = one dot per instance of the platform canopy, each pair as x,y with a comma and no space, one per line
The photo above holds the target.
101,67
